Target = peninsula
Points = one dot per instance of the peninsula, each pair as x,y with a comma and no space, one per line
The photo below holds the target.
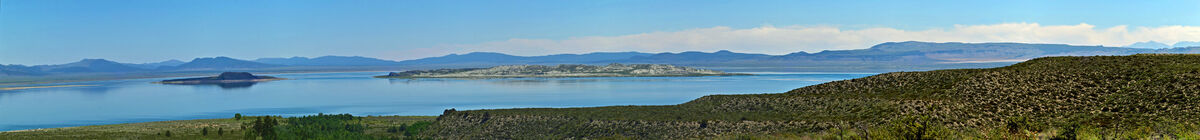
225,77
564,70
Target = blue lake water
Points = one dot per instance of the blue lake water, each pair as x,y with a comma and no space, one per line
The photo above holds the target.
138,100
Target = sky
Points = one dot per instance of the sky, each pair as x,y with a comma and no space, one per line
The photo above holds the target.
34,32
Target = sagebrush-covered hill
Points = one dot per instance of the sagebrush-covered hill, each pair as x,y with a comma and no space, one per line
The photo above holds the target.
1155,95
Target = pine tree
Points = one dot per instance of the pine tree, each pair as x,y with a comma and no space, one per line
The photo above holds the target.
265,127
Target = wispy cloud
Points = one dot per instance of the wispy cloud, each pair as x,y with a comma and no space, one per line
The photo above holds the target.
783,40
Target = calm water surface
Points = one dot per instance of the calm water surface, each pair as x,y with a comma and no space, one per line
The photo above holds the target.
126,101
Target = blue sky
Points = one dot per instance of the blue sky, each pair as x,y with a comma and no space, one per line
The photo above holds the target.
137,31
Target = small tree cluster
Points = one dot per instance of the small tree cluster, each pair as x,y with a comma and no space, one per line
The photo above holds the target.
263,127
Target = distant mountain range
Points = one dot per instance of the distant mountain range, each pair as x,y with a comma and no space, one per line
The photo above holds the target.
219,63
89,65
1157,45
157,65
488,59
19,70
1182,44
891,56
883,55
327,61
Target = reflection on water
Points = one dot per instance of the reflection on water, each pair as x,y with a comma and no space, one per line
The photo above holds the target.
236,85
226,86
541,81
586,80
126,101
401,81
95,89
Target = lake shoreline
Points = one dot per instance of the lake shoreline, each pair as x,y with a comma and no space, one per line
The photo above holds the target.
372,96
211,128
36,87
538,76
746,70
562,71
16,84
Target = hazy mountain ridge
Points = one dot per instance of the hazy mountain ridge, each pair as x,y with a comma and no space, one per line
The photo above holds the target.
90,66
505,59
695,57
219,63
1160,45
1149,45
885,57
18,70
156,65
1181,44
899,53
891,53
327,61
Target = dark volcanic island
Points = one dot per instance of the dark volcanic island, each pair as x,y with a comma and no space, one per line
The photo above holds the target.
224,78
565,70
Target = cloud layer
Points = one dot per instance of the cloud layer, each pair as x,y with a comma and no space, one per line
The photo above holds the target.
783,40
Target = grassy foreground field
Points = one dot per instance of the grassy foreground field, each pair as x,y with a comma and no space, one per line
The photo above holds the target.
231,128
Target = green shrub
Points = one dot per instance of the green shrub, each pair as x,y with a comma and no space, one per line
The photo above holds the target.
416,128
322,126
1020,125
1068,132
262,127
916,128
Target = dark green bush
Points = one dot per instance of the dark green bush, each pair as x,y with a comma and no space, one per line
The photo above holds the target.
416,128
263,127
915,128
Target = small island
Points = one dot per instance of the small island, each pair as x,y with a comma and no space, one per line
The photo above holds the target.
564,70
224,78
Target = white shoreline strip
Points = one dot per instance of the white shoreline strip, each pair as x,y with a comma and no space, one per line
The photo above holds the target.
35,87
